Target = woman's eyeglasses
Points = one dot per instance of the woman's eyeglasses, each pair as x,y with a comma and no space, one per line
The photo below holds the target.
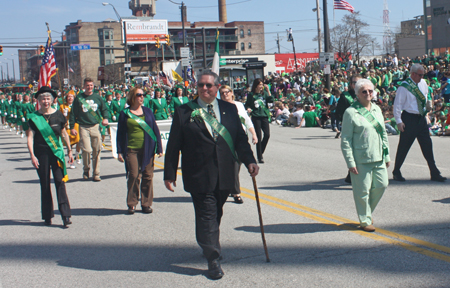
367,91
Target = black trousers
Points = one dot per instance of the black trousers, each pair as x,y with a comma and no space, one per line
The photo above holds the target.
208,213
261,123
415,127
48,161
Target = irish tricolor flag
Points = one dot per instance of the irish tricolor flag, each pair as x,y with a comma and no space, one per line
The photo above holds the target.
215,63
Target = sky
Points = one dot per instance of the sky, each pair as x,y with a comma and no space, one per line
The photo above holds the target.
23,21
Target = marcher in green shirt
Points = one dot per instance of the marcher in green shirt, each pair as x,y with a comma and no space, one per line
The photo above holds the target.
257,105
88,108
159,106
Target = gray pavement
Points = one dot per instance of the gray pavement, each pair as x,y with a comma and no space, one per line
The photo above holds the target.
308,212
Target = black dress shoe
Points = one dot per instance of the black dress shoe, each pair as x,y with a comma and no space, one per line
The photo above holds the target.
214,270
131,209
238,199
261,161
438,178
147,210
48,222
398,177
66,221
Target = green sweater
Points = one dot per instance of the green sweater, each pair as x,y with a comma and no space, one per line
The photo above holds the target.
82,116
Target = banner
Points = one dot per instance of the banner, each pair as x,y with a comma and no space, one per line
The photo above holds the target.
164,129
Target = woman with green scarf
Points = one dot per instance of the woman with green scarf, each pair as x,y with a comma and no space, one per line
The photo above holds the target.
46,127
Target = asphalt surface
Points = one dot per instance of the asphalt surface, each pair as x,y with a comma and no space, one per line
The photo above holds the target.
309,220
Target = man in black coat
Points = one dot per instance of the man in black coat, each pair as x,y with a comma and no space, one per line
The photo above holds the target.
207,162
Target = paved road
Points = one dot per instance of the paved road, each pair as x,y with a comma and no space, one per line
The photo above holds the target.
308,213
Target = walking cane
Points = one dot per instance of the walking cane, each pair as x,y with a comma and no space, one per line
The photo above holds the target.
260,219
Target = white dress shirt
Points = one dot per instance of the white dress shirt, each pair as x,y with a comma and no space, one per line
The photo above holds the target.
216,109
406,101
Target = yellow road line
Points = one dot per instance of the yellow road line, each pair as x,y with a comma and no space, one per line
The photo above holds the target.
348,224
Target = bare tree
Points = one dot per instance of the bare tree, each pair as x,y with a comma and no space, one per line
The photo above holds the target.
349,38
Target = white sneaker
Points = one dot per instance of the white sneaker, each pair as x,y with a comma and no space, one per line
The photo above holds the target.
79,161
278,122
23,134
72,166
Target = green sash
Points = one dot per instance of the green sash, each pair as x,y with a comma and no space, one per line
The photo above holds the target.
372,120
51,140
421,100
86,105
264,107
219,128
143,125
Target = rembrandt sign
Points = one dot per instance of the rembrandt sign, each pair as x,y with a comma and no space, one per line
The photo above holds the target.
141,32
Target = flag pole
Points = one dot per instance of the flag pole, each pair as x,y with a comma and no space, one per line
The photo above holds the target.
57,70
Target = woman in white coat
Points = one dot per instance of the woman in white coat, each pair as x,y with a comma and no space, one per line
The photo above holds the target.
226,94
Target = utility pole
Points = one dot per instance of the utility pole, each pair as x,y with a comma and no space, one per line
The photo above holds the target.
318,26
326,32
357,43
204,47
278,42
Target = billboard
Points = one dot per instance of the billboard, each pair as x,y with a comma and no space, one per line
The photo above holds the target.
145,32
286,63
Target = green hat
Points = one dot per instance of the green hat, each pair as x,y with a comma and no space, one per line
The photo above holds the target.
109,93
157,90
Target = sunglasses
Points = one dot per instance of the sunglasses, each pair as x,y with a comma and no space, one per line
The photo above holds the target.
367,91
208,85
139,94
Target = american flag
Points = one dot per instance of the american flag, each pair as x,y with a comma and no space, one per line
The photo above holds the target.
48,66
343,5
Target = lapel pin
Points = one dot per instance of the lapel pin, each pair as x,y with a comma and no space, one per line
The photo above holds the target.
223,113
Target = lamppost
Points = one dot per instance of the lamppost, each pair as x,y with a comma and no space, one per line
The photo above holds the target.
122,31
7,70
14,70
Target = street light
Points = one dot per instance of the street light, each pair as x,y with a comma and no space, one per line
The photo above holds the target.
14,71
317,9
122,31
117,14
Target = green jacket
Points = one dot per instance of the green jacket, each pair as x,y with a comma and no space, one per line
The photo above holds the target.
109,106
118,106
360,142
161,111
175,102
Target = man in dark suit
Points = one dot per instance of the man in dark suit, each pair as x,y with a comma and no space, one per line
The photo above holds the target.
207,161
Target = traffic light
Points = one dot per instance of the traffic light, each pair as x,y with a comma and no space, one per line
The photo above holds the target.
41,50
1,50
167,39
157,42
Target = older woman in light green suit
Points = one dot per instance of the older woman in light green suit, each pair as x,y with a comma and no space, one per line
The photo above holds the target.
366,150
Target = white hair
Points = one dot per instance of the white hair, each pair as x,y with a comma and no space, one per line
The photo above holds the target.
416,67
45,94
361,83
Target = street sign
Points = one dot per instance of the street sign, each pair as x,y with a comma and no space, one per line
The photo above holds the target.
66,81
326,58
127,65
77,47
184,52
185,62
